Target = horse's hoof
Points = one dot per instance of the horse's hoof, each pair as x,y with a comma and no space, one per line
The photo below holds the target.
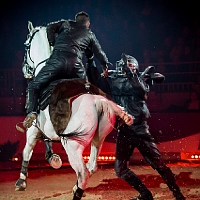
74,190
55,161
20,185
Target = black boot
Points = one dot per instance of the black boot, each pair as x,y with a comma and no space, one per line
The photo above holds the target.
133,180
32,101
27,123
78,194
169,179
31,107
179,196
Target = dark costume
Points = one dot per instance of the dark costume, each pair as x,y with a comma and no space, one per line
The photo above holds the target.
71,39
131,91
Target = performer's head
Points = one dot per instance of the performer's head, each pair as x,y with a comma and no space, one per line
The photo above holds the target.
132,63
129,61
83,17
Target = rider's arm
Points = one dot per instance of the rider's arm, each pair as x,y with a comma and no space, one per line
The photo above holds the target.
53,29
98,52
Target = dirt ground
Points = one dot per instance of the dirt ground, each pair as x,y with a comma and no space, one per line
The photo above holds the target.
51,184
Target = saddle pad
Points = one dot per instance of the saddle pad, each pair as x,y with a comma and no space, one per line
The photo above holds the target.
61,99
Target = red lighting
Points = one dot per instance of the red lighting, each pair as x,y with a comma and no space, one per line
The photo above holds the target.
193,156
15,159
104,158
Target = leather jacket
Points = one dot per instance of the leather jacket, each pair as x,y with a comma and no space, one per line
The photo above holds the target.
76,38
130,93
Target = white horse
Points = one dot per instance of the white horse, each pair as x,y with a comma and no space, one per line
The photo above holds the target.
92,118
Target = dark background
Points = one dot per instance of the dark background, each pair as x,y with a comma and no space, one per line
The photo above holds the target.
128,26
117,24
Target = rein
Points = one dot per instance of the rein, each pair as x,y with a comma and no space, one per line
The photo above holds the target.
40,63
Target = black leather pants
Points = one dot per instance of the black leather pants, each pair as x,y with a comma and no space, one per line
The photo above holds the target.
61,65
126,143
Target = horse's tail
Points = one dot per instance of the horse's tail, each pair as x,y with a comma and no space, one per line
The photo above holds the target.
106,105
77,135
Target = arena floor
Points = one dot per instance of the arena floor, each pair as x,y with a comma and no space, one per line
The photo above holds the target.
47,183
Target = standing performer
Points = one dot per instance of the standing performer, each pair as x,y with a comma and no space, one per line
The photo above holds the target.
129,88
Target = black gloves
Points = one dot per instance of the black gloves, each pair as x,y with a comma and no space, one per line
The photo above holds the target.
150,76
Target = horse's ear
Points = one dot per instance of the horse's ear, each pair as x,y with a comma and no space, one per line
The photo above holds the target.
30,26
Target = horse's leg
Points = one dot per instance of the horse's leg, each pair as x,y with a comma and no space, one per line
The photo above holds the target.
47,142
84,122
92,162
74,151
31,141
48,149
106,124
53,159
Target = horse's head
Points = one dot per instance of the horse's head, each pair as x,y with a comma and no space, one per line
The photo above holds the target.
37,50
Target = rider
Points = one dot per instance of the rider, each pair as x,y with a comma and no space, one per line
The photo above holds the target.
129,88
70,39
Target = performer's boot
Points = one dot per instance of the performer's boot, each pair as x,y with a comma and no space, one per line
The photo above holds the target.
134,181
78,194
27,123
169,179
31,107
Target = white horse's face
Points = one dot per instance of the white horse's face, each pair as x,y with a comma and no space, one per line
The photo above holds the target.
37,50
28,64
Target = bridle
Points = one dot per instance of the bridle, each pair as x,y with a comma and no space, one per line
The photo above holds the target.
29,70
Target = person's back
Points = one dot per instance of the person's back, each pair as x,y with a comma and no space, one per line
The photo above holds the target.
70,34
76,37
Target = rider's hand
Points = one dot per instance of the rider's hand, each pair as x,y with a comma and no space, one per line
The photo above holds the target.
105,73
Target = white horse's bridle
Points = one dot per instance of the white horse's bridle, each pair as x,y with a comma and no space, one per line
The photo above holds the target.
28,69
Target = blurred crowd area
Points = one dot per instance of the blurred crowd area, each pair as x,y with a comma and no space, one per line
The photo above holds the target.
165,34
154,31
